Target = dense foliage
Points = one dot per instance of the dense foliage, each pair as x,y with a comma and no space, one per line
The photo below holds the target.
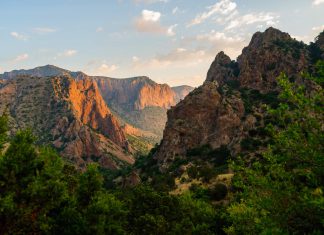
40,194
282,193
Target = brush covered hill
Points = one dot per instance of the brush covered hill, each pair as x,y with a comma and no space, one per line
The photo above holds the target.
68,114
86,117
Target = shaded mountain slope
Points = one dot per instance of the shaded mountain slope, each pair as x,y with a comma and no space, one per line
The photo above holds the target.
68,114
229,106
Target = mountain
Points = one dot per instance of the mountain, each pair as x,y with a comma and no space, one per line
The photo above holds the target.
226,114
68,114
140,101
92,117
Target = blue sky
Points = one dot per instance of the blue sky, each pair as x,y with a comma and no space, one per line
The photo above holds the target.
171,41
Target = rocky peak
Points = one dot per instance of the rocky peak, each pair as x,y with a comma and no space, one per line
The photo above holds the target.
267,37
267,55
89,107
229,104
221,69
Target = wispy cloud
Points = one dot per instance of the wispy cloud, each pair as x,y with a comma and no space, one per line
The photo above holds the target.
268,18
179,57
317,2
44,30
19,36
149,22
175,10
21,57
99,29
170,30
105,69
223,7
311,36
68,53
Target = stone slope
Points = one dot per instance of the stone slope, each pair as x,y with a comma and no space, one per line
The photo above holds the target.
68,114
228,107
139,101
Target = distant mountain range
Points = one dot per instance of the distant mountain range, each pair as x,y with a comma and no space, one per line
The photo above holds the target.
88,118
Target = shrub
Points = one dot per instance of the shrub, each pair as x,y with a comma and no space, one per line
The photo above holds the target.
218,192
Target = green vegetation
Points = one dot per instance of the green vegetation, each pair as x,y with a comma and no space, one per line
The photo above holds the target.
140,144
252,98
40,194
291,46
282,193
278,192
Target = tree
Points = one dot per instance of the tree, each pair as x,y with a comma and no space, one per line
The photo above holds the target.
282,193
31,186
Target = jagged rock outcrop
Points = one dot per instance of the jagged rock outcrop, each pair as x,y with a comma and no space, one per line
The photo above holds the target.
70,114
224,110
221,69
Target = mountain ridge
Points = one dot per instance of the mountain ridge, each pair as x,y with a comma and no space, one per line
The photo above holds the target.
229,105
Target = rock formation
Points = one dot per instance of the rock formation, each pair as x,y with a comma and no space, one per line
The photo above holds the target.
69,114
229,105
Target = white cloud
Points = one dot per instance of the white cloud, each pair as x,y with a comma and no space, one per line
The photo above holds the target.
44,30
318,28
99,29
220,41
269,19
149,22
105,69
170,31
310,36
21,57
317,2
175,10
223,7
19,36
176,58
152,16
135,59
68,53
214,36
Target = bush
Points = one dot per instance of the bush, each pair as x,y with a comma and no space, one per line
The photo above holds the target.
218,192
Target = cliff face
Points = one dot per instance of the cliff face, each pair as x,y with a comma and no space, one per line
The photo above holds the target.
137,102
136,93
140,101
70,114
228,105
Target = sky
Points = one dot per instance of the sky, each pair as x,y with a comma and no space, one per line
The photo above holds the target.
170,41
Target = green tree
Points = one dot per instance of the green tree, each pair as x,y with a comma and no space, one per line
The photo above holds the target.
282,193
31,186
3,130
